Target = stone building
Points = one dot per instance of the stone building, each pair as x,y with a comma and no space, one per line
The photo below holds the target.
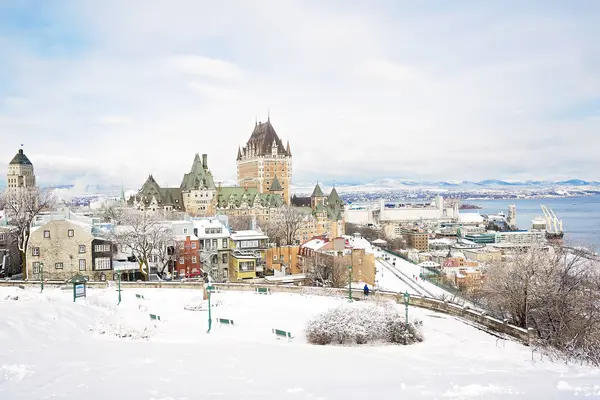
67,248
10,257
198,188
264,160
327,213
20,172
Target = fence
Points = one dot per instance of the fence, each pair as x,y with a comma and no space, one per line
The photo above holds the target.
445,307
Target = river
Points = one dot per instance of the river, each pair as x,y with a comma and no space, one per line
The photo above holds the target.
580,215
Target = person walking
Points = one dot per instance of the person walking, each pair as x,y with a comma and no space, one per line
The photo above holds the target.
366,290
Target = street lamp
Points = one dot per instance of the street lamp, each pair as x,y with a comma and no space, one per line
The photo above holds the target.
406,301
42,275
119,288
209,289
350,283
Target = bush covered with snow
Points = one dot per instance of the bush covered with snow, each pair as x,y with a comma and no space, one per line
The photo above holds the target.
361,323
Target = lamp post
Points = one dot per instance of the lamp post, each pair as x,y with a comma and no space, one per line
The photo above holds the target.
406,301
209,289
350,283
119,288
42,276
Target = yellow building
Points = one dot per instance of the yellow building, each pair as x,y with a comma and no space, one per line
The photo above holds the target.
264,159
248,253
284,259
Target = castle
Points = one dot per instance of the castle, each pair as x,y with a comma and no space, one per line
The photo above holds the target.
264,175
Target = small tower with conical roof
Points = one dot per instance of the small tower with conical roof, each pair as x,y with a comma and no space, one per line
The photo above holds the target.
20,173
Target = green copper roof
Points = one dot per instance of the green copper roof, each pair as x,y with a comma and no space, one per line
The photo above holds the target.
317,192
20,158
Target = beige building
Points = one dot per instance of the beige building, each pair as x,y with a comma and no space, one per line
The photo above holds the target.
416,239
20,172
66,248
263,160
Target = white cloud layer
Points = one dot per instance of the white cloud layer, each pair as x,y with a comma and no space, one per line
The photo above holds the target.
363,90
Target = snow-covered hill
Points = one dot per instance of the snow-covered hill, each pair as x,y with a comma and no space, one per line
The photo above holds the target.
52,347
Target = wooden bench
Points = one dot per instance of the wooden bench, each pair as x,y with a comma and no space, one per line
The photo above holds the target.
155,317
263,290
225,321
282,334
139,296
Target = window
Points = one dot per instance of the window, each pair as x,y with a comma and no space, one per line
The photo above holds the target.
181,260
35,251
82,264
2,237
207,243
215,243
46,234
71,232
224,258
100,248
81,248
274,257
225,274
58,266
194,259
102,263
246,266
224,243
185,231
193,245
282,257
36,267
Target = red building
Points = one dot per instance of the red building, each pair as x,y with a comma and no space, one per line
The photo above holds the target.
188,250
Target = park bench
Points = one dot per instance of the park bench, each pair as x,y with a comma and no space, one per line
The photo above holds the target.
282,334
139,296
225,321
263,290
155,317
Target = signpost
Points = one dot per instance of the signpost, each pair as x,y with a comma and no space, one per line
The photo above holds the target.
79,287
406,301
209,291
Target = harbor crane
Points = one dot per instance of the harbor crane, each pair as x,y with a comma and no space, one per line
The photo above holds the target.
554,226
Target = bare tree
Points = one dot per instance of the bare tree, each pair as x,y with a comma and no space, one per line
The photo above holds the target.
22,206
145,236
240,222
290,220
326,270
272,229
112,211
555,293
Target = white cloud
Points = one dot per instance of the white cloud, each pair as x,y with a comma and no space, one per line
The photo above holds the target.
361,93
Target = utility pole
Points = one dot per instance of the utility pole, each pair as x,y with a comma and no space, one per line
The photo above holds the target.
406,301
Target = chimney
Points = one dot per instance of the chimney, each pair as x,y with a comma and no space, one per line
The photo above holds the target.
20,151
204,157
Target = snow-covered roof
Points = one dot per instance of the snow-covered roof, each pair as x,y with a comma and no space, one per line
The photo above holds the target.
182,238
470,218
315,244
379,241
249,234
359,243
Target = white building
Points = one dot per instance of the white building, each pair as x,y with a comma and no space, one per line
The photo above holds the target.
519,238
214,247
20,173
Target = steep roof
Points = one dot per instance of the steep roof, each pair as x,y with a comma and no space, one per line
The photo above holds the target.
317,192
238,196
262,139
275,185
334,199
164,196
198,177
20,158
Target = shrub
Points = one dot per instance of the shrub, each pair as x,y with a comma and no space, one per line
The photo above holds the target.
359,323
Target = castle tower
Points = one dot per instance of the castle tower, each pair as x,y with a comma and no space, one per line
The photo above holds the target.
20,172
264,160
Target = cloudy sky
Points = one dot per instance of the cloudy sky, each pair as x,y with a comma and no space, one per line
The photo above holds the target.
110,91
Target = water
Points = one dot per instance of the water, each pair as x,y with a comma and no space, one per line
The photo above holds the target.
580,216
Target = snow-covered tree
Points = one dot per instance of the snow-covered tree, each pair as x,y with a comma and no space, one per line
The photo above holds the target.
22,206
145,236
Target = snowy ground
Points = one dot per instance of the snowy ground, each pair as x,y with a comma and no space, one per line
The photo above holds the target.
51,347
